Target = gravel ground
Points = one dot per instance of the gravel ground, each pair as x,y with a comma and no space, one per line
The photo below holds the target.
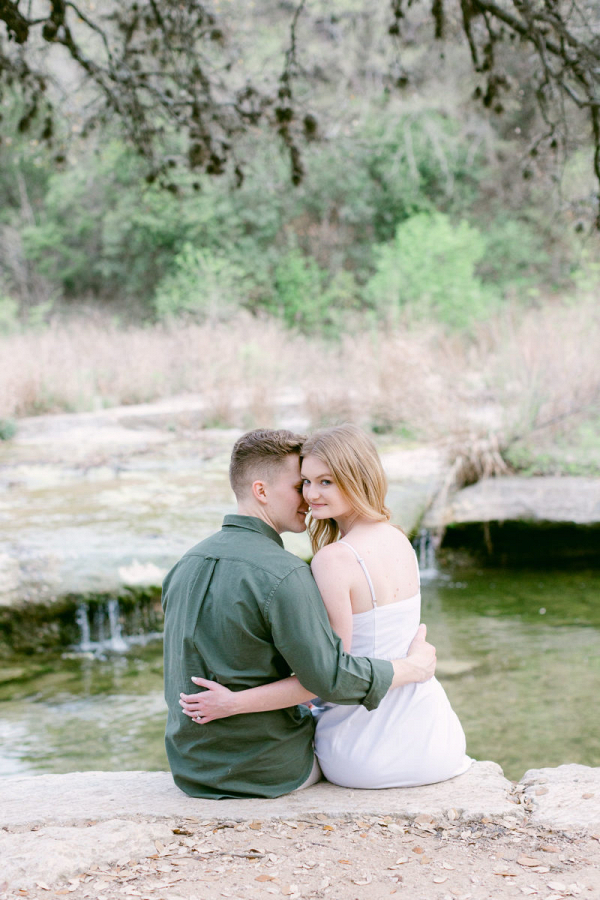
357,859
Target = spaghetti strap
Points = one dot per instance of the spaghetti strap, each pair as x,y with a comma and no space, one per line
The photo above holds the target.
363,566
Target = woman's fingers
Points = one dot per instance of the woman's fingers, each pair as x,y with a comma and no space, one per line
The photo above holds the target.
191,698
191,709
194,712
216,702
205,683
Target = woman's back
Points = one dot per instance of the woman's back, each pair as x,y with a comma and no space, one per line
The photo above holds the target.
388,557
413,737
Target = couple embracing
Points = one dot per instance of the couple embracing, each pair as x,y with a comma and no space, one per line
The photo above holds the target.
262,634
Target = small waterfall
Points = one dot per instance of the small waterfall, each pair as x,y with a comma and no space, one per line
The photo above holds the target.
117,641
101,630
83,621
99,618
425,549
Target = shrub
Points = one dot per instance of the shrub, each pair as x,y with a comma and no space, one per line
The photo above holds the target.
203,283
428,272
299,296
514,254
9,310
8,429
309,298
103,231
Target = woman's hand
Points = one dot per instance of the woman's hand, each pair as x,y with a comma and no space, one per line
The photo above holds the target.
217,702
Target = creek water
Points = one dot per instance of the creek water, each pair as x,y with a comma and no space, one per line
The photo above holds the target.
518,651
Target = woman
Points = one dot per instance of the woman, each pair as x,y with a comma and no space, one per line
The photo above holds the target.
367,573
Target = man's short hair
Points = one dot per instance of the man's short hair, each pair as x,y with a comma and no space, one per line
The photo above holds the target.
258,454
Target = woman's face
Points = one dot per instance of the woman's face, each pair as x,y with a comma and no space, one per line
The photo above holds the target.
320,491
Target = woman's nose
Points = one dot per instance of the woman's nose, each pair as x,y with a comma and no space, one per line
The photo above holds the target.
310,493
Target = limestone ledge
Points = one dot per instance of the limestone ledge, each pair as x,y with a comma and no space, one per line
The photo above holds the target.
56,825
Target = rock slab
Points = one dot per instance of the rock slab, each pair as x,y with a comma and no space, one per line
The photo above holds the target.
58,826
555,499
79,797
51,854
566,798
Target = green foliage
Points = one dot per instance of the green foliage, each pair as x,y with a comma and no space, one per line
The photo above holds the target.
203,283
576,452
9,314
428,271
8,429
368,230
65,241
39,315
308,297
587,274
514,253
104,232
394,166
25,163
299,296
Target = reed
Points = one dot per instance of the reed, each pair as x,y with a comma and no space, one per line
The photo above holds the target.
520,372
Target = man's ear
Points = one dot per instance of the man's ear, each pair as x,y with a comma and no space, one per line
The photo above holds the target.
259,491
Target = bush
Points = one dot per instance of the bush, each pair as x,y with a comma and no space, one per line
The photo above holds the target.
104,232
203,283
8,429
299,291
9,311
428,273
308,297
514,254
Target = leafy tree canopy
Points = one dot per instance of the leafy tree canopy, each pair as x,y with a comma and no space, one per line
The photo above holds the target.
171,74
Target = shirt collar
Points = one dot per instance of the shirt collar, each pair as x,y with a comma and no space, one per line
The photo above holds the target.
251,523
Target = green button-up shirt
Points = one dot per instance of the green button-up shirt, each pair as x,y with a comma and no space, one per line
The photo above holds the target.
243,611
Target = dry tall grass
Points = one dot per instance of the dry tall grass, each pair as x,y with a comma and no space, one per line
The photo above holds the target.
520,372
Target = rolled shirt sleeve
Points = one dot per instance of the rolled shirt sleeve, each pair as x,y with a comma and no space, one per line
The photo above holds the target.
303,635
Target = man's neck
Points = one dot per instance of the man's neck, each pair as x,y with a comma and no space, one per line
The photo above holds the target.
249,509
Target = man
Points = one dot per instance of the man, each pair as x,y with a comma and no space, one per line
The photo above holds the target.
241,610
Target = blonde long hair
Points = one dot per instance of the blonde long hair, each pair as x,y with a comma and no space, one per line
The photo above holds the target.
354,463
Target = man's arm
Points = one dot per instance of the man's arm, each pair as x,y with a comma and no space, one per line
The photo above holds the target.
302,634
218,702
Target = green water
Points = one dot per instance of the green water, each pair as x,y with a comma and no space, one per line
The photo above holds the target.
518,651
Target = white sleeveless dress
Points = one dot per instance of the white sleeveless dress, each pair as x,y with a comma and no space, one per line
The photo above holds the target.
413,737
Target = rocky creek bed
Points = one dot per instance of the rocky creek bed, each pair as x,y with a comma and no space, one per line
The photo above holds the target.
103,503
479,836
99,505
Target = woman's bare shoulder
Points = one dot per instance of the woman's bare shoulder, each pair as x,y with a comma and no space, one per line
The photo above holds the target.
329,553
377,534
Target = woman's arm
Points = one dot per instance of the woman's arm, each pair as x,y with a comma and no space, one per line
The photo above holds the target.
330,571
218,702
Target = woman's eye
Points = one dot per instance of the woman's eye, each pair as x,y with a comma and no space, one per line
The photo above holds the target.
325,481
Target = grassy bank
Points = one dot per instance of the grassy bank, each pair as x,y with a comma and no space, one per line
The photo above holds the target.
524,383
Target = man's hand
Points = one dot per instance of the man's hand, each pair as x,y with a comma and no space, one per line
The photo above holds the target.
419,664
216,702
